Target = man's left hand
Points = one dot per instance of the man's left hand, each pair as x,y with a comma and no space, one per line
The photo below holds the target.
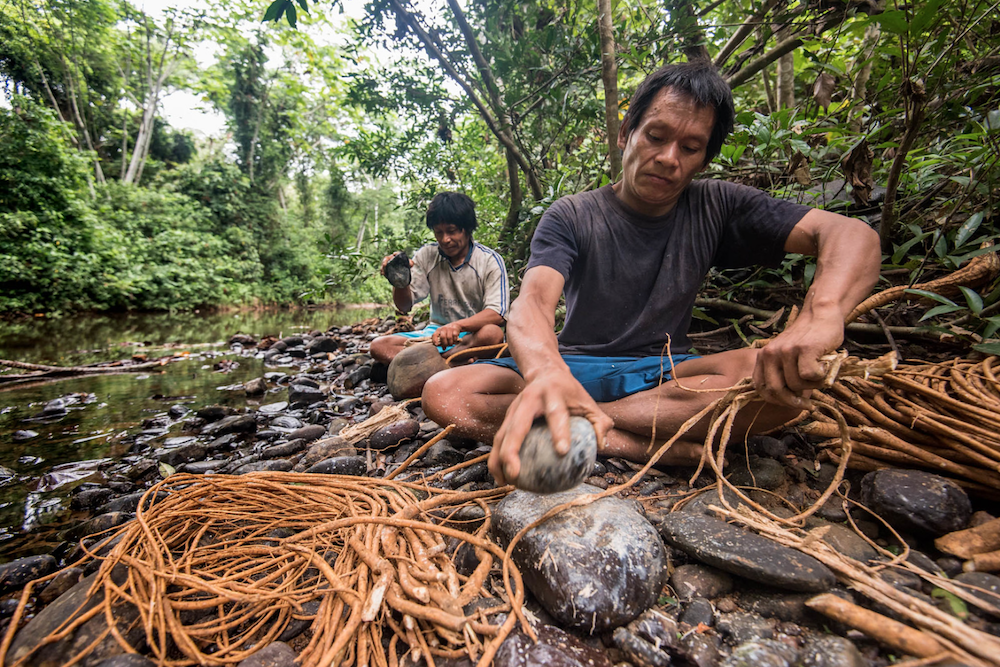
447,335
789,367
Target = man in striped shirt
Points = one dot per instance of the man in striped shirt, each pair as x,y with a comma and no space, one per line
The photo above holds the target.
466,282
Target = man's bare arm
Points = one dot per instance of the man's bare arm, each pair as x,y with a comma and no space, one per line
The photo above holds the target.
550,389
847,267
448,334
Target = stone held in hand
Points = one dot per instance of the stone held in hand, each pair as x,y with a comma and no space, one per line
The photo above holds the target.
543,470
397,270
411,368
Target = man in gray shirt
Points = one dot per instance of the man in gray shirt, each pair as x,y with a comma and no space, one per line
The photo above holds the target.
630,258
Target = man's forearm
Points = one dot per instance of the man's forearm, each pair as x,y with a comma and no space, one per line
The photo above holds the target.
847,267
532,339
479,320
402,297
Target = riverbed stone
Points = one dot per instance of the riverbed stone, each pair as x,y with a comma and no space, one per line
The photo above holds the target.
176,455
211,413
286,422
98,524
830,651
17,573
255,387
844,540
283,449
442,453
916,500
275,654
24,435
62,582
340,465
71,604
761,653
86,499
273,408
593,567
308,433
700,581
393,434
202,467
698,611
762,473
411,368
130,502
274,465
304,394
983,584
127,660
555,648
745,554
322,344
231,424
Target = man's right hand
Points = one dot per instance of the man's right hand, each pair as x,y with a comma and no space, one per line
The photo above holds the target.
387,259
554,394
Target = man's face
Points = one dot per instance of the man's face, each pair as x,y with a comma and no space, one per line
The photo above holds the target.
663,152
453,241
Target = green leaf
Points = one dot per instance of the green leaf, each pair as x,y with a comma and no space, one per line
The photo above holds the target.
274,11
166,470
924,17
992,326
893,21
304,5
973,299
955,604
939,310
966,231
291,14
932,296
700,314
987,348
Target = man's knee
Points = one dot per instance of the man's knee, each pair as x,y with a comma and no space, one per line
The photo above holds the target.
491,334
384,348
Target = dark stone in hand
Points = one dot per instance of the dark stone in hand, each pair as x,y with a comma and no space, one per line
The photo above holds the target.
397,270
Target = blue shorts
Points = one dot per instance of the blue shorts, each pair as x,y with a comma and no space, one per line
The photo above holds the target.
607,379
426,333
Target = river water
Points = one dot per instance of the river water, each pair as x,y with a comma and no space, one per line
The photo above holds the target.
102,411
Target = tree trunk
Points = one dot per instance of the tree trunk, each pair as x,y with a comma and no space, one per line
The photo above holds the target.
786,72
609,75
915,95
862,70
510,223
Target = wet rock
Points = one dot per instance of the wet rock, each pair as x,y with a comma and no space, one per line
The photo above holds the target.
341,465
98,524
761,653
844,540
555,648
328,448
763,473
322,344
357,376
698,612
916,500
61,583
274,465
201,467
768,446
592,567
72,604
53,409
985,583
700,581
276,654
397,270
284,449
742,627
232,424
22,436
182,454
700,650
130,503
393,434
286,422
545,471
87,499
211,413
788,607
127,660
273,408
308,433
442,454
830,651
639,651
411,369
739,552
304,394
347,404
177,411
296,626
700,504
255,387
477,472
17,573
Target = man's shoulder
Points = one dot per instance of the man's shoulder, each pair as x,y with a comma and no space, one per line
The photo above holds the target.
485,256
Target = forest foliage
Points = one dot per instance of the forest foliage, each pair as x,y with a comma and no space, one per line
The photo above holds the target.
337,137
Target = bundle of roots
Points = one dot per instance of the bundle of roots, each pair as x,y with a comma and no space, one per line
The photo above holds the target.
942,417
219,566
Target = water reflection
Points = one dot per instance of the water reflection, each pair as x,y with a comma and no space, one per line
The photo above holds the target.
82,424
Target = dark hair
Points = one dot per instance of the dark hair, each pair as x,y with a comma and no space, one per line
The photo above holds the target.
452,208
698,80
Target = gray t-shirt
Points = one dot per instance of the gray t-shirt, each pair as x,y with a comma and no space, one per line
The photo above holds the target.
632,279
480,282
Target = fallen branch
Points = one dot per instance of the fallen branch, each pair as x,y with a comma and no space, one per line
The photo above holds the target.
67,371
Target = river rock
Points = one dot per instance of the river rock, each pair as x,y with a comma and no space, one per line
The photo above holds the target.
700,581
71,604
393,434
397,270
593,567
17,573
744,626
202,467
275,654
328,448
555,648
274,465
322,344
443,454
308,433
844,540
411,369
988,583
357,376
304,394
341,465
127,660
98,524
176,455
283,449
62,582
745,554
23,435
916,500
286,422
830,651
698,611
763,473
761,653
86,499
255,387
638,651
211,413
543,470
130,502
273,408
